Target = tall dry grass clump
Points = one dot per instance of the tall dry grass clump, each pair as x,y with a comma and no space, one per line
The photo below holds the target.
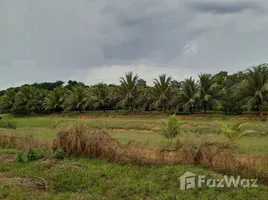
78,140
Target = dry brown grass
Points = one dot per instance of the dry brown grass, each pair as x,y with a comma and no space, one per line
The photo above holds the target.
28,184
77,140
23,142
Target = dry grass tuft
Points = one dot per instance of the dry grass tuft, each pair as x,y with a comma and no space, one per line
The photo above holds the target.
24,143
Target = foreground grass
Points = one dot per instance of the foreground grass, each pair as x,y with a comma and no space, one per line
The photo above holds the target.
75,178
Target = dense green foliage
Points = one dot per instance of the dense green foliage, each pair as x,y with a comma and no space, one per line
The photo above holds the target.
229,93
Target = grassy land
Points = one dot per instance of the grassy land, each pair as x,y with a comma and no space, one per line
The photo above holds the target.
126,128
78,178
92,179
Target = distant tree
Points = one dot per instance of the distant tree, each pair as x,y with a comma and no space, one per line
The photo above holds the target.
26,100
55,99
162,92
77,99
255,87
48,85
141,83
210,91
128,90
189,94
71,84
8,101
101,96
175,83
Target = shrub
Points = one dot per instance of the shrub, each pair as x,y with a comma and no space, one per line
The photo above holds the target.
232,107
31,155
58,154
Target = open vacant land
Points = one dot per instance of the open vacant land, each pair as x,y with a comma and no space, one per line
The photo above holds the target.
84,178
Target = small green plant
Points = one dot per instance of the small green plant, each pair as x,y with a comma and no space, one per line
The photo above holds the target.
235,132
39,154
20,157
170,127
58,154
31,155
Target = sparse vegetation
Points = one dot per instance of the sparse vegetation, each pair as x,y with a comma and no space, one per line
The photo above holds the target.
128,142
235,132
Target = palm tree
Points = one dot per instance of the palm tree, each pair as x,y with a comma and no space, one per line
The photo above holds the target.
26,99
40,95
210,91
162,92
189,94
100,96
170,127
128,90
8,101
55,99
76,99
235,132
254,87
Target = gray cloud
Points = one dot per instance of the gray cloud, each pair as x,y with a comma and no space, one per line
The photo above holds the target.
66,39
225,7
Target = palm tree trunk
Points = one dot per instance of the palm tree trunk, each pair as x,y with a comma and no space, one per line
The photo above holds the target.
131,106
205,107
260,110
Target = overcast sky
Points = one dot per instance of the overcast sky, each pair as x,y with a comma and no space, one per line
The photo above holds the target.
100,40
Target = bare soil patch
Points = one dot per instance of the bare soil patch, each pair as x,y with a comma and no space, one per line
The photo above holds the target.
7,158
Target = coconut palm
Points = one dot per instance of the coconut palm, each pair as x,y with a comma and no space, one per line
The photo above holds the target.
211,92
77,99
162,92
26,99
235,132
170,127
254,87
189,94
128,91
8,101
101,96
55,100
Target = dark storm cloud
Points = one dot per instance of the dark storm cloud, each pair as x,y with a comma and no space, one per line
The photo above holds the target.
225,7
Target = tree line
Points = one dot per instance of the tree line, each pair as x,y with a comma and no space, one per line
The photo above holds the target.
244,90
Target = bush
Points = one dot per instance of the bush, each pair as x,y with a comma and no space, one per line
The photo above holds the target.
8,124
31,155
232,107
35,155
58,154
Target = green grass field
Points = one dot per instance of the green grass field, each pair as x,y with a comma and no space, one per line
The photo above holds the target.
140,129
81,178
